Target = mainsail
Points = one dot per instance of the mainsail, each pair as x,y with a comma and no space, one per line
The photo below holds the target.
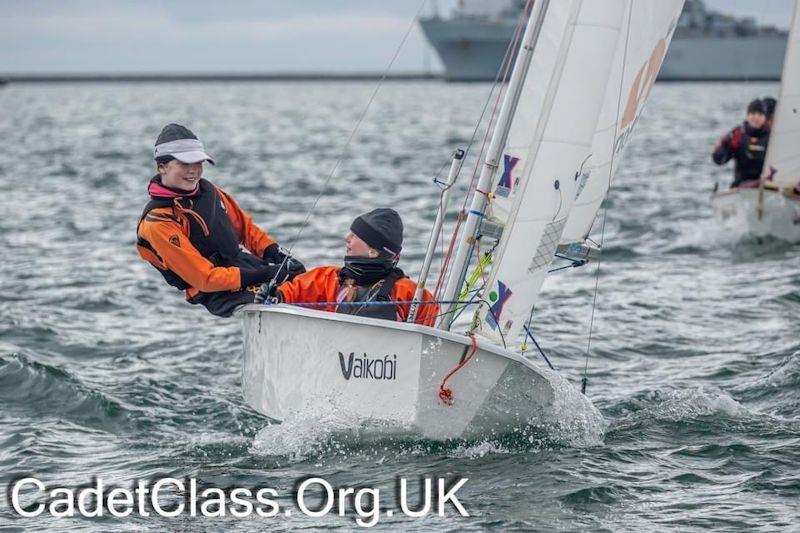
552,135
783,151
640,51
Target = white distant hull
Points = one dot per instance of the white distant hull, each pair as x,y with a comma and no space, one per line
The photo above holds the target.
737,209
296,363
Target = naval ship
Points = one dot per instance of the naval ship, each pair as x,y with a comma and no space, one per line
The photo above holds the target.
707,45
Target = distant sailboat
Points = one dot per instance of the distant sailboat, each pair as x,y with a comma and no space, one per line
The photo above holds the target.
773,209
580,80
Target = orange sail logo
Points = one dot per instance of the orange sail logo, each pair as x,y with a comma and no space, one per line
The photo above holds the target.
640,89
643,83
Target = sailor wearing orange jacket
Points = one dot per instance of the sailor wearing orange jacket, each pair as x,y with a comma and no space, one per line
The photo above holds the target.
369,275
193,232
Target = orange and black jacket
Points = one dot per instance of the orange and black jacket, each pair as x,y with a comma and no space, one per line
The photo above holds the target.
323,284
193,239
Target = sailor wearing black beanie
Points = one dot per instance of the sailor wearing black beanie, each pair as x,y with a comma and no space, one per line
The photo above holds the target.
381,229
369,282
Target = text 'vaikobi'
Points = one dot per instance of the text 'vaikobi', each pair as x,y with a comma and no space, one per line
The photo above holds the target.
364,367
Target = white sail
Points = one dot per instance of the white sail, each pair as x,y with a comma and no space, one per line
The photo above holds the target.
649,26
551,139
783,151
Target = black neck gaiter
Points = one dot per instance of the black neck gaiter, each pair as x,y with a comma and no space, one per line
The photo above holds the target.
366,271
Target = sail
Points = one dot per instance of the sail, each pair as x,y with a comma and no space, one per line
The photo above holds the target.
550,141
783,151
638,58
549,136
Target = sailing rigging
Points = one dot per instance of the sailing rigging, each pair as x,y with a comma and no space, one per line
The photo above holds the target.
579,83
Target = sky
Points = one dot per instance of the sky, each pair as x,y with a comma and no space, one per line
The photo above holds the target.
183,36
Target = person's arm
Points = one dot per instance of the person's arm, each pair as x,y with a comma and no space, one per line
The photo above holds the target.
250,235
724,149
176,253
317,285
256,240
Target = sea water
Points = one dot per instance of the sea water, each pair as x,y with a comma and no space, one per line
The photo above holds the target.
106,373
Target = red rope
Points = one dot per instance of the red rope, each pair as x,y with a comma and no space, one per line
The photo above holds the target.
446,393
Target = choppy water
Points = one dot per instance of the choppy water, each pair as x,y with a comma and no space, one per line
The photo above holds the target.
105,371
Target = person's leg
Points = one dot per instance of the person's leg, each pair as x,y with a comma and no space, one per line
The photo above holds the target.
224,303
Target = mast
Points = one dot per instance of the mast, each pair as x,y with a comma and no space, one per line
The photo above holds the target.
455,168
491,162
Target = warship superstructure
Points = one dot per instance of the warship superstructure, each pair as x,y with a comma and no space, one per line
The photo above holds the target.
707,46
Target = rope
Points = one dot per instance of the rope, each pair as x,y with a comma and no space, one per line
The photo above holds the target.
353,133
477,323
446,393
585,378
530,335
360,303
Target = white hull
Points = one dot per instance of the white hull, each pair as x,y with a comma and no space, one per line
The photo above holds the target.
297,361
737,209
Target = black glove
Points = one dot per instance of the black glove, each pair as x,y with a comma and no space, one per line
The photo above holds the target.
277,255
265,273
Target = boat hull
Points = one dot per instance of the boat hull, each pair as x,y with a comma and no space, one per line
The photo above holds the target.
738,210
300,362
472,49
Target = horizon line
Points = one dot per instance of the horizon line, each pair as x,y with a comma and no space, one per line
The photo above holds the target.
51,77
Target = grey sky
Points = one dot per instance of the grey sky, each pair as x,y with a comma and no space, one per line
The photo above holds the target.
40,36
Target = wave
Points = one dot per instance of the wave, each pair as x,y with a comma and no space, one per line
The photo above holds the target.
786,375
677,406
43,390
776,391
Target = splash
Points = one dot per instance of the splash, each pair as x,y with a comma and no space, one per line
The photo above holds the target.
573,419
479,450
326,431
322,429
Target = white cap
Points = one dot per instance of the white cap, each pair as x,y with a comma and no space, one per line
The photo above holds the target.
184,150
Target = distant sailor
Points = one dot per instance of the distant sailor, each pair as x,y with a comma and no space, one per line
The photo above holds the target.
746,145
369,275
193,232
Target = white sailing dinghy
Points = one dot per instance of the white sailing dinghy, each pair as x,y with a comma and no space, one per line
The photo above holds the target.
773,209
579,82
